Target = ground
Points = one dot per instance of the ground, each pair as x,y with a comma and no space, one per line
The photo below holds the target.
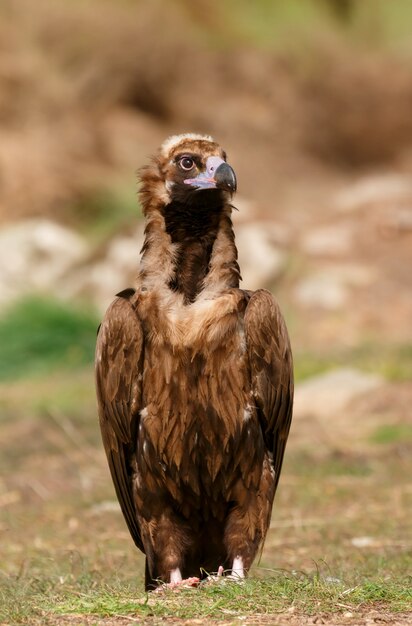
338,549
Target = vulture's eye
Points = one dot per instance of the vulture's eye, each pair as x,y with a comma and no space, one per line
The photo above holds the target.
186,163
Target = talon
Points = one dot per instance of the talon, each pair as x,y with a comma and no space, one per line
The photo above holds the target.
177,586
214,578
194,581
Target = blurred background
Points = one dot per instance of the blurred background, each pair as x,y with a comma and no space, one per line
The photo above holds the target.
312,99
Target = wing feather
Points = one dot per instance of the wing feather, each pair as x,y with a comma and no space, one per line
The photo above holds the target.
119,353
270,359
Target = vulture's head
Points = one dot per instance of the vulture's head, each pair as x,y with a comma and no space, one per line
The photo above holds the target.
189,169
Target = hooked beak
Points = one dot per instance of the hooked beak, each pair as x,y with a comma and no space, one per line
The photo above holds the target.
218,175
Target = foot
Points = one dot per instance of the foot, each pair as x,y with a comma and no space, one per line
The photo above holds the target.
177,583
213,578
238,573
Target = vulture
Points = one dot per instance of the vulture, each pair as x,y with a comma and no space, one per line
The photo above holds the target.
194,379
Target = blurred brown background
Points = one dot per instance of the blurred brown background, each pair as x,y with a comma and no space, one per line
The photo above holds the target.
312,99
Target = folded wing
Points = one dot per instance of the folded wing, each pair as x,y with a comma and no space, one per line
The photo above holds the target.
271,365
119,354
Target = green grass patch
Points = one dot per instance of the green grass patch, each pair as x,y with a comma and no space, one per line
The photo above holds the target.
38,335
392,433
383,23
106,211
393,362
277,592
270,24
304,463
293,24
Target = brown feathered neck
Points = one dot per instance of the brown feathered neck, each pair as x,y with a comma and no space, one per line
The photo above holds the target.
189,246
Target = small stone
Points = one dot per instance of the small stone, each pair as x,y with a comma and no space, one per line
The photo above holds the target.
328,393
363,542
332,580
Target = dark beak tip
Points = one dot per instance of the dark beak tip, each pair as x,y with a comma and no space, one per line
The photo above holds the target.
225,178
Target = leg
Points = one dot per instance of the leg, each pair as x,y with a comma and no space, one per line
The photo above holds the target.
168,541
238,571
176,582
175,576
248,521
243,537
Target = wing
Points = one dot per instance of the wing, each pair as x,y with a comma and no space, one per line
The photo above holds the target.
119,354
270,358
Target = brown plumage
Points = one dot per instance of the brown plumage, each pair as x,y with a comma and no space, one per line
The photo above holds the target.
194,378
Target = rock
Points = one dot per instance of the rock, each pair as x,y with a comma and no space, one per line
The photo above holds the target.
329,288
372,190
397,221
260,258
322,291
328,240
329,393
100,281
364,542
34,255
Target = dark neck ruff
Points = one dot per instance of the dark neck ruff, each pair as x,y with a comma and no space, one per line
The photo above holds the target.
193,225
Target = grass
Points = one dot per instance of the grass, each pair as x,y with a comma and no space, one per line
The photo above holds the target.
392,434
334,464
269,24
393,362
280,25
106,211
277,592
274,594
37,335
385,23
340,534
68,553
